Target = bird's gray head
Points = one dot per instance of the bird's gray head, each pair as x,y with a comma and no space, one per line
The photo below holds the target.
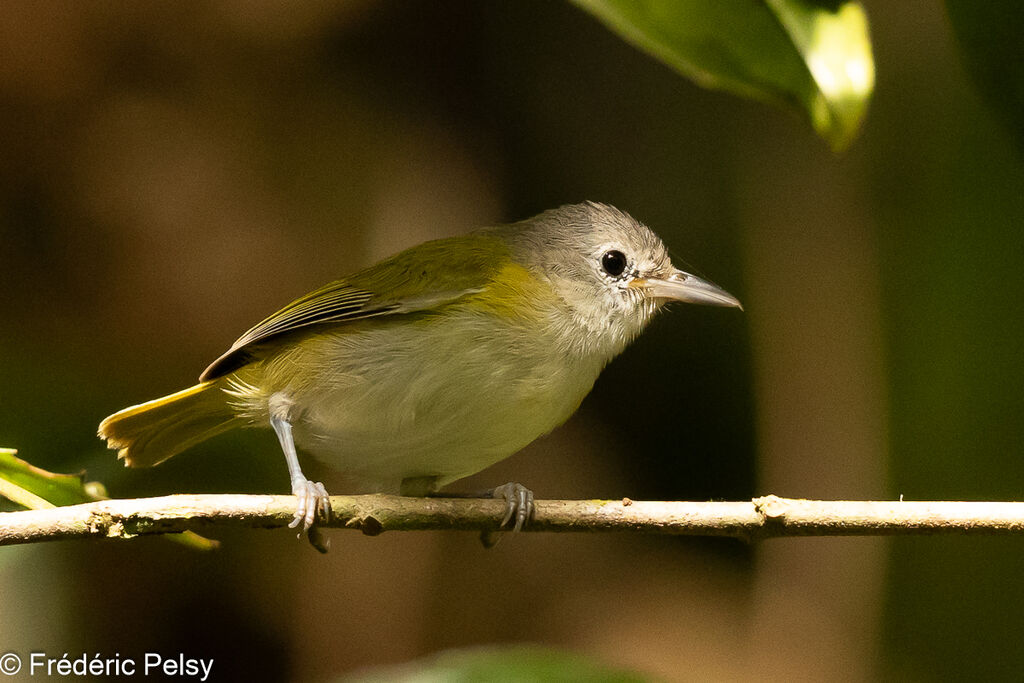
611,271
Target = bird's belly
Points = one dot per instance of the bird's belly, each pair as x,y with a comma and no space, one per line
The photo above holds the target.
384,410
380,441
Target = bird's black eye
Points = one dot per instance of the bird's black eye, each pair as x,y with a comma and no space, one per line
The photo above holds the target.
614,262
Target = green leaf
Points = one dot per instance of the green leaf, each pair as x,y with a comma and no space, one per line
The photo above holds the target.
814,55
37,489
520,663
989,39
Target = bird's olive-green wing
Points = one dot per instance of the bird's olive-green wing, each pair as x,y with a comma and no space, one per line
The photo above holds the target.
425,277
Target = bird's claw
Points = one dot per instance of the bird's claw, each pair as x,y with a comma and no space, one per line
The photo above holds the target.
313,498
518,507
518,504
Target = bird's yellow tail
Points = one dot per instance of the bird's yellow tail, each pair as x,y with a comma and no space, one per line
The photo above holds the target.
151,432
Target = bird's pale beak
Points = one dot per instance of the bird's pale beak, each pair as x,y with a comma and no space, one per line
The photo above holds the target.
680,286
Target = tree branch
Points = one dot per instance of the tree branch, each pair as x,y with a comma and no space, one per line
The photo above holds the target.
761,518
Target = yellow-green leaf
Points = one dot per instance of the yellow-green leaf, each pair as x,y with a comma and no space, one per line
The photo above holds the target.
35,488
814,55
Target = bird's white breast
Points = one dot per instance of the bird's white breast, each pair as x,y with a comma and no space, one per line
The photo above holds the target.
442,397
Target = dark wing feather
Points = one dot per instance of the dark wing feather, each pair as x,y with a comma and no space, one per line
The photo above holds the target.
422,278
333,303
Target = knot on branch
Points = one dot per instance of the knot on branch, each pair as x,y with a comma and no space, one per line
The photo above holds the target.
771,507
103,523
368,524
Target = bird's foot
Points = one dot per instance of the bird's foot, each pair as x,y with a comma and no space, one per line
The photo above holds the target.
518,507
313,498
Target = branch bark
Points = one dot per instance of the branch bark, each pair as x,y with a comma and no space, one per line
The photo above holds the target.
761,518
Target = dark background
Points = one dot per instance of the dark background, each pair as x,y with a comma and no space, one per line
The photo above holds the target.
173,173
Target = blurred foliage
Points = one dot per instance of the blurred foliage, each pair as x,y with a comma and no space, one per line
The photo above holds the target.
813,55
520,663
990,43
949,194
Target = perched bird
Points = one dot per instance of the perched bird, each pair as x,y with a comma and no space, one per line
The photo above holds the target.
432,364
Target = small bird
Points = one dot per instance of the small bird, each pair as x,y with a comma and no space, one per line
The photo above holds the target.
432,364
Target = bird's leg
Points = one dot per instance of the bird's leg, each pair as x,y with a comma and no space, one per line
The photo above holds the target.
312,496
